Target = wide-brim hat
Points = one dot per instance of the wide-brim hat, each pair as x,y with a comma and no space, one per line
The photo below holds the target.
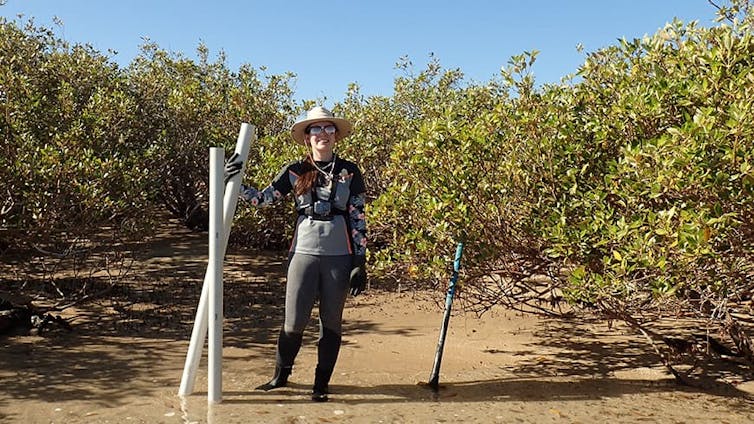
317,114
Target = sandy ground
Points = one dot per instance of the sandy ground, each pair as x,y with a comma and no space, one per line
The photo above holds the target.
123,361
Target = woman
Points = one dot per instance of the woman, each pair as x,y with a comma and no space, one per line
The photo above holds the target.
327,255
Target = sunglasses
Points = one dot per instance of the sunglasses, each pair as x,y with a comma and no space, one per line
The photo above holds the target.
328,129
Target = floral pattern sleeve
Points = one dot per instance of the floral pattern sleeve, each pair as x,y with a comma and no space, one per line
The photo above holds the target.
357,221
278,189
261,198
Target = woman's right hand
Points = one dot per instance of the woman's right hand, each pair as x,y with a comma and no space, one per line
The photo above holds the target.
232,167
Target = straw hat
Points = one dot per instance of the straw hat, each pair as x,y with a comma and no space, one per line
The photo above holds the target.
318,113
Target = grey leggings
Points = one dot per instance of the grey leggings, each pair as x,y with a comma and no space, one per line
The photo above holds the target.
313,277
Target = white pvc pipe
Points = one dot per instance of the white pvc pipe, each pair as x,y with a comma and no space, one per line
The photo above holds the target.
215,350
245,138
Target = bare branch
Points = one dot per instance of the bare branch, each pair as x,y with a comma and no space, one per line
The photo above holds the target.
7,204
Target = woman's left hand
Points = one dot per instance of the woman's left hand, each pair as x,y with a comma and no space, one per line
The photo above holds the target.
358,275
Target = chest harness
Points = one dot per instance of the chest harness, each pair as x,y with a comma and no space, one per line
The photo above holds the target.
313,207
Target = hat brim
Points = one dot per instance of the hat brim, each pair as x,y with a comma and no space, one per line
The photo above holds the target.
298,130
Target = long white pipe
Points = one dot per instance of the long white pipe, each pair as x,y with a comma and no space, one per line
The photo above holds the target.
245,137
215,349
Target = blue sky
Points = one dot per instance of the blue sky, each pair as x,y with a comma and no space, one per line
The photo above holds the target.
330,44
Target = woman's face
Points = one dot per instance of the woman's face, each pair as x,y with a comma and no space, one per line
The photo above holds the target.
321,136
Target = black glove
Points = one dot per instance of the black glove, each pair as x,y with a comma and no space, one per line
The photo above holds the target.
358,274
232,167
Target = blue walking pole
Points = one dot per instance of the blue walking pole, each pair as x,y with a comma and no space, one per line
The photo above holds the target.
434,378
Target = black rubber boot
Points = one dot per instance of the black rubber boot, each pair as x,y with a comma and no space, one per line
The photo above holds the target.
327,354
280,379
321,384
287,349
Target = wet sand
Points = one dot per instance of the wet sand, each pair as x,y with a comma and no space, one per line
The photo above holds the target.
124,360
